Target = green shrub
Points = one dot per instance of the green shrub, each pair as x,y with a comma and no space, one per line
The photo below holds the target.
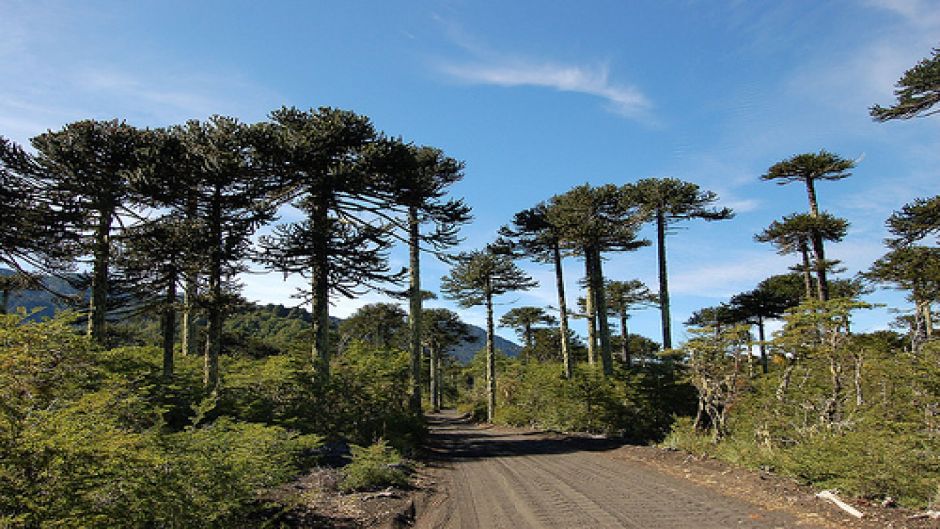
376,466
633,403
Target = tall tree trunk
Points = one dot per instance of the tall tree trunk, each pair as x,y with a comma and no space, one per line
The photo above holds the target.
5,300
98,302
624,338
320,288
589,309
190,289
811,195
562,310
490,356
763,346
663,279
169,326
817,241
807,269
434,377
440,380
188,320
820,255
600,304
527,331
414,311
214,330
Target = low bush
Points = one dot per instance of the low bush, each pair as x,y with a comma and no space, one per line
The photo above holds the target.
372,467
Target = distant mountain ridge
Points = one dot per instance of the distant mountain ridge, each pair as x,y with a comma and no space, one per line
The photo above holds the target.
32,299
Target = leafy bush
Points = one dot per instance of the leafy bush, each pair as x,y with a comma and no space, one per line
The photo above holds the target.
376,466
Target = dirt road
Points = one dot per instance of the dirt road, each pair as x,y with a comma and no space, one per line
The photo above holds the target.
496,478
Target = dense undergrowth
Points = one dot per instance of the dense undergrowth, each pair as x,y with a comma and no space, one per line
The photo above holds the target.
857,413
637,403
93,437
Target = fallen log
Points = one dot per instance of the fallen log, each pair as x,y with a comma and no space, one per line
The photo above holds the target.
831,496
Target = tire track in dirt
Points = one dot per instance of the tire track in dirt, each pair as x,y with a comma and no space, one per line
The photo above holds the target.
509,479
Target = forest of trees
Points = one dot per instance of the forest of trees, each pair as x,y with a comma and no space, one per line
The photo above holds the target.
121,406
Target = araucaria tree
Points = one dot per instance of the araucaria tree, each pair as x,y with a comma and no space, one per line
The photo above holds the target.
755,307
917,270
234,198
443,329
666,201
36,235
524,321
809,168
90,164
594,220
532,235
621,297
475,279
917,92
794,233
417,182
914,221
321,157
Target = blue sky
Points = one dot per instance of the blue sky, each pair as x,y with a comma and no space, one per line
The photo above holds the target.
536,97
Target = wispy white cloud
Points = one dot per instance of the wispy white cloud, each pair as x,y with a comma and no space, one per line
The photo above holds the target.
622,99
923,13
722,279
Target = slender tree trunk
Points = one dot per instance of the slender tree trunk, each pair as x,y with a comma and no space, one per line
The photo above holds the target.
320,303
663,279
490,356
5,300
600,304
817,241
98,302
624,338
188,323
589,309
414,311
440,380
214,331
190,290
807,270
763,346
562,310
527,331
818,250
435,383
811,195
169,327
